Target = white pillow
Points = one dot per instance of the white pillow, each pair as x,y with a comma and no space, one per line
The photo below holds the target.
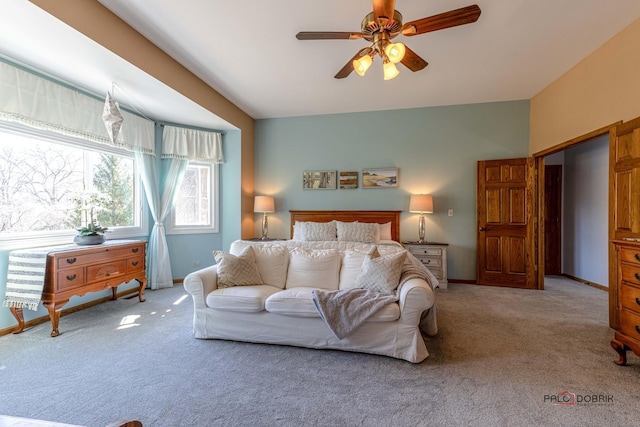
350,269
314,268
238,270
356,232
384,232
313,231
381,273
272,262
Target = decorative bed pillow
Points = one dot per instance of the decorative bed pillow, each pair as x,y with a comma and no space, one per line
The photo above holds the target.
318,268
240,270
356,231
381,273
384,232
313,231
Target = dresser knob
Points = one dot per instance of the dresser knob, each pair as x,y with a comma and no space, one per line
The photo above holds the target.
134,263
637,276
134,250
638,329
637,256
638,301
71,277
72,260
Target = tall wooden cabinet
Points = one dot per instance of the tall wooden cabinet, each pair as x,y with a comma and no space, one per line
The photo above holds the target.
624,234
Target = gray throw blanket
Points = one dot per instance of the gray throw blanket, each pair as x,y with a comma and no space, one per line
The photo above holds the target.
346,310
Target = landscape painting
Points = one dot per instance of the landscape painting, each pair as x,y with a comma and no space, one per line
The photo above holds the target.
379,178
319,180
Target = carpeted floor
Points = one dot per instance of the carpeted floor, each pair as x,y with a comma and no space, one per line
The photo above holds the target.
500,357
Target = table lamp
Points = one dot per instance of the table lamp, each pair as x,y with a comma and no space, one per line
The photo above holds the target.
421,203
264,205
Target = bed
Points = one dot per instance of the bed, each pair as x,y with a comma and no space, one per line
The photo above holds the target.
379,217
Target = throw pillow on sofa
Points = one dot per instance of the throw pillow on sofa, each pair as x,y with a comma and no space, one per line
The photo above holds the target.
240,270
318,268
381,273
272,261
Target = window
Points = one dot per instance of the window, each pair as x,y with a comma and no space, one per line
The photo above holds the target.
195,209
43,177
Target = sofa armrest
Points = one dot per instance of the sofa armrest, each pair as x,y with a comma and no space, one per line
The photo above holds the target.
200,283
415,297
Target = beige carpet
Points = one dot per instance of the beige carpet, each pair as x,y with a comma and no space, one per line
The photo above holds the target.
501,357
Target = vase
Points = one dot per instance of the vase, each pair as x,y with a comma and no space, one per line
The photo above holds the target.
89,240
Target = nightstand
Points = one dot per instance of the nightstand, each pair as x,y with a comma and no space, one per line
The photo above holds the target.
433,256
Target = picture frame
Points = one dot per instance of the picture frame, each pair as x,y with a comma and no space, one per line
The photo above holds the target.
319,180
380,178
348,180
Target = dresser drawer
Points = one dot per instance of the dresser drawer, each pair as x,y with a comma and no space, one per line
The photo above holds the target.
74,259
418,251
630,324
135,264
630,255
70,278
437,272
630,298
630,273
106,270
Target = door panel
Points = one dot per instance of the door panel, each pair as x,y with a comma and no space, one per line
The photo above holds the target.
552,219
506,232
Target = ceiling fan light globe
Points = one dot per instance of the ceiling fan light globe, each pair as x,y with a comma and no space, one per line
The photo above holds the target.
390,70
395,52
361,65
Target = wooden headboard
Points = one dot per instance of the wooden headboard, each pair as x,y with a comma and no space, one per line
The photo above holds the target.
381,217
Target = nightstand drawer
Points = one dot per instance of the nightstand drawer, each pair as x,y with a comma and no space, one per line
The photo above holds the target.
430,262
418,251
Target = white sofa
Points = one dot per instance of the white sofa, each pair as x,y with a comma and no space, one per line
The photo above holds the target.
281,311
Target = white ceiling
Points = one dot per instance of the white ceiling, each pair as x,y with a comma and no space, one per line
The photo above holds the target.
247,51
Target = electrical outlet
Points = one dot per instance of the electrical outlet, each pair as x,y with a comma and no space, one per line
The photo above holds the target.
196,263
450,212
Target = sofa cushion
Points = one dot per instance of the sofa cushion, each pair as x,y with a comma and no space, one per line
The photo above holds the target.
247,299
381,273
356,231
350,269
272,261
295,302
240,270
319,268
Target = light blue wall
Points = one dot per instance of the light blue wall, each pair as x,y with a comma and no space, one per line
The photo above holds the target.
435,149
586,211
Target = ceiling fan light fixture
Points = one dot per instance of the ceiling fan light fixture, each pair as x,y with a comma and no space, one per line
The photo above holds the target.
390,70
361,65
395,52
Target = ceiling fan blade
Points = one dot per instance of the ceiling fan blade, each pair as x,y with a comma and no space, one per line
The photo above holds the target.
412,61
348,67
453,18
327,35
384,8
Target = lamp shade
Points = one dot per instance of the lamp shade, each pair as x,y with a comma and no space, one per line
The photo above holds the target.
395,52
362,64
421,203
263,204
389,70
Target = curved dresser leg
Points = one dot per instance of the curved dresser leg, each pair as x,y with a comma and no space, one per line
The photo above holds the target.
621,349
17,313
55,309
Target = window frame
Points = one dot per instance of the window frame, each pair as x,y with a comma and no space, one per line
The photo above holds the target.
46,238
214,175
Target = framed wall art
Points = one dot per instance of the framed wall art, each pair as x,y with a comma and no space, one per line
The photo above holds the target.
380,178
319,180
348,180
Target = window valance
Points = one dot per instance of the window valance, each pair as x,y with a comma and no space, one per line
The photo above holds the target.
39,103
191,144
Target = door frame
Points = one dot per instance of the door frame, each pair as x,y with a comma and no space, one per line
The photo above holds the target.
539,165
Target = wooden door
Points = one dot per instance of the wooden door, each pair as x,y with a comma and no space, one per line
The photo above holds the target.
506,243
552,219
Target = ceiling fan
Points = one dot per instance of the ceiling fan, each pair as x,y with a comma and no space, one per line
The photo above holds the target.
381,26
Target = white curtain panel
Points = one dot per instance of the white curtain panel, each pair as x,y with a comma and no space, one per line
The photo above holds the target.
40,103
191,144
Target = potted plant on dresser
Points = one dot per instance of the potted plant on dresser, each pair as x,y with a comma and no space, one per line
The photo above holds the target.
88,204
